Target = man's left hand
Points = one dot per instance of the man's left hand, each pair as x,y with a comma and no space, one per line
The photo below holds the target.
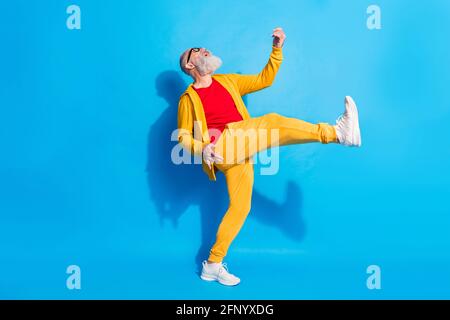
278,37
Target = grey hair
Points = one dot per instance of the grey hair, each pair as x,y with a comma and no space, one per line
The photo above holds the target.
183,62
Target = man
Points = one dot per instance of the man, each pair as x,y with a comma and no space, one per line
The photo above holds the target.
211,114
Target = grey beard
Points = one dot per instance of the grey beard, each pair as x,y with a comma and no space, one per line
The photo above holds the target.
207,65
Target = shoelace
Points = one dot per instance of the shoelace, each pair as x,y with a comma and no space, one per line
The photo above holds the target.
342,120
224,266
344,116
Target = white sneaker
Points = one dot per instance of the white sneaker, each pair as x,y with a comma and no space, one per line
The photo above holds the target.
218,272
347,125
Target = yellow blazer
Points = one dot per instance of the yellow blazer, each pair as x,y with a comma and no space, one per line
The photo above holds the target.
192,127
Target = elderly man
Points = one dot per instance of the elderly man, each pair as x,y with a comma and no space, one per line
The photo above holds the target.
212,114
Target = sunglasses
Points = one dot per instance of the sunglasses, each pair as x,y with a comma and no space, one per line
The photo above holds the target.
190,52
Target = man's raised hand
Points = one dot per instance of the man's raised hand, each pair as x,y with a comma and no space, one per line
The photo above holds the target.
278,37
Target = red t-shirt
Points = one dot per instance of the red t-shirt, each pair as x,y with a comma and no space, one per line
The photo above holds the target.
219,108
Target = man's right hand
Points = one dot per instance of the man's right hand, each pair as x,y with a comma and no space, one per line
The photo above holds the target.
209,155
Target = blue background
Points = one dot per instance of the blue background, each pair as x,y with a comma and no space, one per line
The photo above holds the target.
85,171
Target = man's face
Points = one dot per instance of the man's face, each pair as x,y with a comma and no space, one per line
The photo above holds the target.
195,55
204,61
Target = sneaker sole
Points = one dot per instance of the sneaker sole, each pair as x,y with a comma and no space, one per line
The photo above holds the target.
206,278
211,279
356,133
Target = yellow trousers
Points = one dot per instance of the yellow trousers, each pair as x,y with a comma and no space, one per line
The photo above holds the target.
238,143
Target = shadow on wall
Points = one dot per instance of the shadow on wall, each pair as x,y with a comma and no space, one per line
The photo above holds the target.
173,188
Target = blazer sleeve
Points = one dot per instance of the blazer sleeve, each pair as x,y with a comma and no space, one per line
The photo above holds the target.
186,125
254,82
